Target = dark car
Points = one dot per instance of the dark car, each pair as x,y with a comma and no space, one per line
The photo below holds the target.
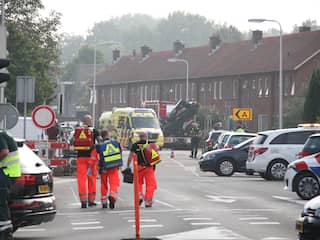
308,224
224,162
211,141
32,201
311,146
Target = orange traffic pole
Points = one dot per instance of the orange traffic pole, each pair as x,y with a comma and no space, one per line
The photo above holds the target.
136,195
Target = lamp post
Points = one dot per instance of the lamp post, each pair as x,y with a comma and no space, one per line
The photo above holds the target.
187,76
260,20
94,76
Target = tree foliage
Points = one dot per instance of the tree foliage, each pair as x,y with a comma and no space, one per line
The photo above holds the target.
33,47
311,105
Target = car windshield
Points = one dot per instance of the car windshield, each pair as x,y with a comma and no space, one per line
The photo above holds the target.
145,122
312,145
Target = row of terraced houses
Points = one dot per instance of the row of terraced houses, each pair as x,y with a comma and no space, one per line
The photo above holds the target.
222,76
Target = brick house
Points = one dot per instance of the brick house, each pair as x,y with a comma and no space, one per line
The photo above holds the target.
222,76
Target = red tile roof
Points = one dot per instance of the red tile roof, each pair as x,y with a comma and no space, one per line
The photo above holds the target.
233,58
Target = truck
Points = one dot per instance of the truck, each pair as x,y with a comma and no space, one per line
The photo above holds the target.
124,124
176,121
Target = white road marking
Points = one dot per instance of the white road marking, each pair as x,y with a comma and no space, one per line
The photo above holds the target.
301,202
252,218
85,223
220,199
275,238
187,168
77,214
264,223
31,230
74,195
211,233
205,224
253,209
195,218
88,228
143,220
149,226
165,204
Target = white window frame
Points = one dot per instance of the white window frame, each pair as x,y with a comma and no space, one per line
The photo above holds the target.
220,90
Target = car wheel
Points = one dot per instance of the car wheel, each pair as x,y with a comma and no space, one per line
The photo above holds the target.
225,167
307,186
276,170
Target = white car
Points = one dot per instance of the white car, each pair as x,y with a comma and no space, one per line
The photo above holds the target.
303,176
273,150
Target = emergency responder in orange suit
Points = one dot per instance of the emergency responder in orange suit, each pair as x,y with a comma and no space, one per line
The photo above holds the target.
87,169
146,172
110,159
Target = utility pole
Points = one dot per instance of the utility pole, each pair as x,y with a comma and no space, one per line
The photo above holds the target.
3,46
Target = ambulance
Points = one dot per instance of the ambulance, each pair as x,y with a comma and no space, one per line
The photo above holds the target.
124,124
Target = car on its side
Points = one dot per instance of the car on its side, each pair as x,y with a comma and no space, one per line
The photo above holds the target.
227,161
303,176
32,201
212,139
308,224
273,150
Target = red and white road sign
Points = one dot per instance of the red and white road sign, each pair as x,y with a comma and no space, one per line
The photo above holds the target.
43,116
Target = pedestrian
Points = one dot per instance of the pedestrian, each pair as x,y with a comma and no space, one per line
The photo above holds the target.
85,138
10,169
110,159
195,139
240,128
146,171
53,134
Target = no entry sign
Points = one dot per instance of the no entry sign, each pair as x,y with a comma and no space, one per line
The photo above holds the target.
43,116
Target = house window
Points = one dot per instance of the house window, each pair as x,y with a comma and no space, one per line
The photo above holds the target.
145,92
120,95
193,91
260,87
176,97
254,83
210,87
124,95
111,95
234,88
266,87
220,90
180,90
215,91
263,122
293,88
141,94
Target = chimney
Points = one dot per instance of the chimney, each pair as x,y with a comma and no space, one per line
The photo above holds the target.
304,29
214,42
145,50
115,55
178,46
257,37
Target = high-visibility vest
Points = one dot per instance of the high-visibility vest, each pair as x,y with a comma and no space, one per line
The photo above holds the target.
11,163
110,154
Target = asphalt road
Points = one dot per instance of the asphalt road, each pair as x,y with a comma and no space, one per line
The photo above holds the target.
188,205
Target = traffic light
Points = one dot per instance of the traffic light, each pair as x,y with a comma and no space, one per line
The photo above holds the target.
4,77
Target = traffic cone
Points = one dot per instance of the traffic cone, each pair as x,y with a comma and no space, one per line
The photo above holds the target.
172,154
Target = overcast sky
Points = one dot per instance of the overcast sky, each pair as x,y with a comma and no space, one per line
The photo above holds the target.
80,15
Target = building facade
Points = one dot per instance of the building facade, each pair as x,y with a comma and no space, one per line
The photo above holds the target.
222,76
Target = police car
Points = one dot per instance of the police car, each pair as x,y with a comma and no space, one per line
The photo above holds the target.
303,176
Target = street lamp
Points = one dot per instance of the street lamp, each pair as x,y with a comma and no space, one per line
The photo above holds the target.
260,20
94,76
187,77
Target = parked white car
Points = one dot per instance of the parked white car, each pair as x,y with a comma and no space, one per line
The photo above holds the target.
273,150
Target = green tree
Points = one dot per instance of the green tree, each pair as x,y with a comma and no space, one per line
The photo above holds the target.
33,47
311,105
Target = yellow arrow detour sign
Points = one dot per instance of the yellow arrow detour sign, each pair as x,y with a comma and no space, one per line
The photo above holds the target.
241,114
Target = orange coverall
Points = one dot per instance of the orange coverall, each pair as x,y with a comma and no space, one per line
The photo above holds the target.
109,178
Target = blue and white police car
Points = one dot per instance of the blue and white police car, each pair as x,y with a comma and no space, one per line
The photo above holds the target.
303,176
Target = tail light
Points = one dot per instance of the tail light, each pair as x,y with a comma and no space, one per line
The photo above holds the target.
228,146
259,151
303,154
209,143
26,180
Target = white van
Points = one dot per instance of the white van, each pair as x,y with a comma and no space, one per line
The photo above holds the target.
273,150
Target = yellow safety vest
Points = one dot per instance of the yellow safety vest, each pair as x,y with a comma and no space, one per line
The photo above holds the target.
11,164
